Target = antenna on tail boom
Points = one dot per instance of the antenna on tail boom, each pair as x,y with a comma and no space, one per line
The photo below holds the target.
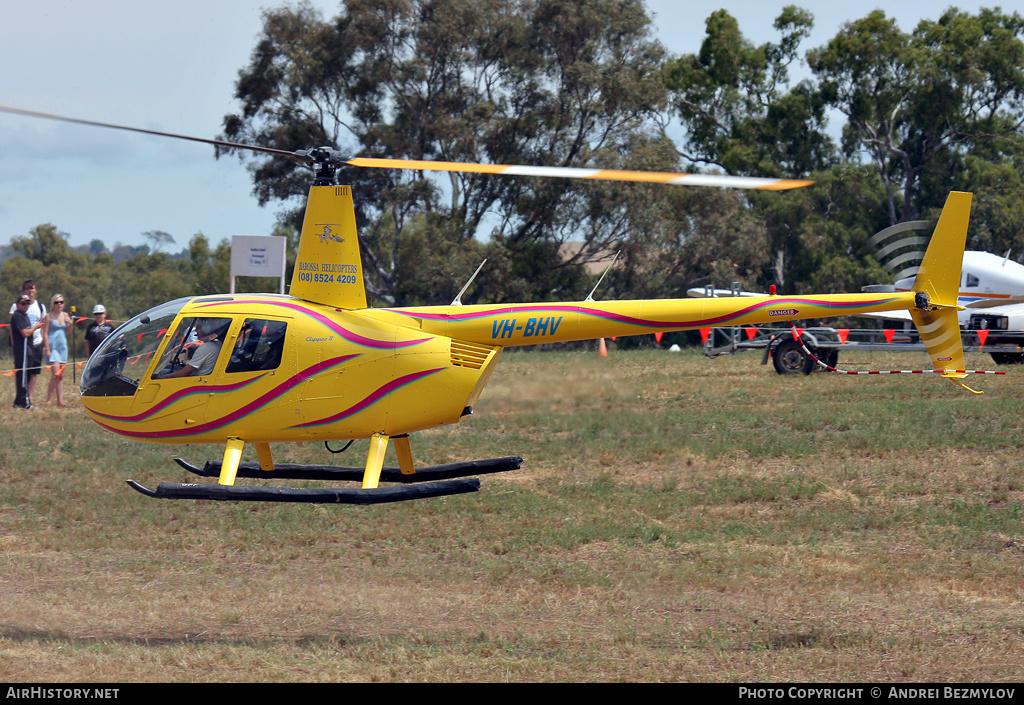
458,297
590,296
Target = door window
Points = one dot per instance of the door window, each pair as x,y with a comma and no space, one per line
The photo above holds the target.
259,347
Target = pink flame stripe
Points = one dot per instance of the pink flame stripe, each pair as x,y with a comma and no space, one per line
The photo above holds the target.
372,398
343,332
181,394
646,322
239,413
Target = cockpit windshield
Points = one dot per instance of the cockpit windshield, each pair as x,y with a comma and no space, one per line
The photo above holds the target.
119,363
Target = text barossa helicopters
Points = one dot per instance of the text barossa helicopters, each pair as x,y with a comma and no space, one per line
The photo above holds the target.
318,365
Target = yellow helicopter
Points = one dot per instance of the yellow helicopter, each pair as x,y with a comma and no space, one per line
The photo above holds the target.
319,365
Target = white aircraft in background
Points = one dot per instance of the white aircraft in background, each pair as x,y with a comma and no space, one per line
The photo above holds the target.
992,295
991,287
991,283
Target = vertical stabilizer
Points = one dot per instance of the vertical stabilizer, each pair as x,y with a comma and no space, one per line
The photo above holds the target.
936,317
939,276
328,267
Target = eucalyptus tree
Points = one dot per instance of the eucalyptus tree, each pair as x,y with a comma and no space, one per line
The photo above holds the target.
917,104
546,82
740,112
924,112
738,108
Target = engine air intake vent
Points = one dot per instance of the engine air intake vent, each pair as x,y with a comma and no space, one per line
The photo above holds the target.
469,355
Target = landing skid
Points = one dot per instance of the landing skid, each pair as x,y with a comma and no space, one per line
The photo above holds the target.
377,495
431,481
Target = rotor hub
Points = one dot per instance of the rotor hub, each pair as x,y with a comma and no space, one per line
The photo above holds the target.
324,161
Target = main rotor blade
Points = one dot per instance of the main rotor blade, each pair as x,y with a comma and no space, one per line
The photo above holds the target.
216,143
656,177
328,155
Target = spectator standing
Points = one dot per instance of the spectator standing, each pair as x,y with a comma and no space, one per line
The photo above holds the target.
35,312
55,347
22,330
98,329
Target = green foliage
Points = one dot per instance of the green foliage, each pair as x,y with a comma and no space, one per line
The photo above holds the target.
733,100
45,256
208,269
918,103
127,286
718,242
819,234
502,81
158,239
926,112
46,245
998,205
431,267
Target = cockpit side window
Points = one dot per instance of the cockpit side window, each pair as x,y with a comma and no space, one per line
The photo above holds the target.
119,363
259,347
971,280
193,348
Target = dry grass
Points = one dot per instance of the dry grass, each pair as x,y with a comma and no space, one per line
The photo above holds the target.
678,519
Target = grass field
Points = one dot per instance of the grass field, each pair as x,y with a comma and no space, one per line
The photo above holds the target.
677,519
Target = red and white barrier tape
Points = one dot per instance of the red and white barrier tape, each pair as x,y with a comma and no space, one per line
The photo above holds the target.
830,368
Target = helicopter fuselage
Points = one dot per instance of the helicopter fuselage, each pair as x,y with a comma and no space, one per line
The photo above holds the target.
290,370
286,370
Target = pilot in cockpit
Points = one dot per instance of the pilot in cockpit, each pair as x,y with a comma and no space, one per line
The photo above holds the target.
209,331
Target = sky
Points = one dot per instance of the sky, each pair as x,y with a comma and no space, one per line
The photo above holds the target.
171,67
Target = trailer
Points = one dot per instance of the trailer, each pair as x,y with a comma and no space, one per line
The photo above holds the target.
789,357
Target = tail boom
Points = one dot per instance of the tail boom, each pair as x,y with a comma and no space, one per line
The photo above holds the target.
932,303
532,324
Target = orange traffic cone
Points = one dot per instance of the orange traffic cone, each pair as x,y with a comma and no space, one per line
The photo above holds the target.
602,349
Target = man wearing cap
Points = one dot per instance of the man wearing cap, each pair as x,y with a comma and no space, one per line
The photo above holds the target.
98,329
36,313
22,330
